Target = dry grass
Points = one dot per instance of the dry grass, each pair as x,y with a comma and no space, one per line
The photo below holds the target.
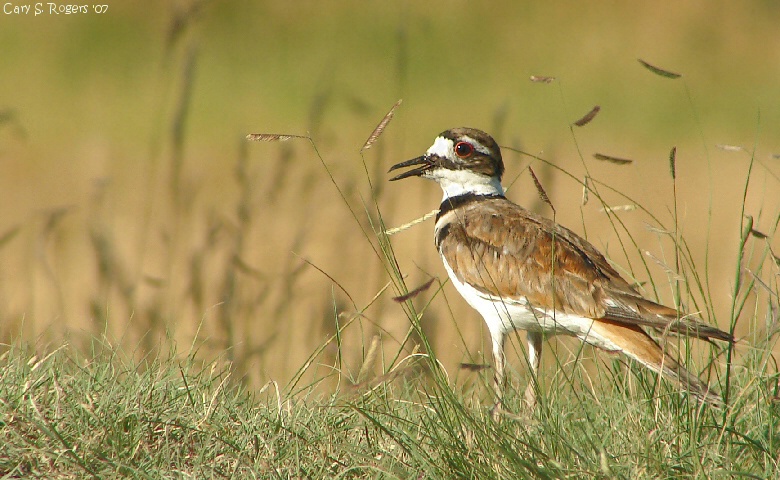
226,307
161,226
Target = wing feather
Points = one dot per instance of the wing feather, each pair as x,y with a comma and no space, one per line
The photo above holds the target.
550,266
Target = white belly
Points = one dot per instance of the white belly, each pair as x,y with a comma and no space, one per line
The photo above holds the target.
503,315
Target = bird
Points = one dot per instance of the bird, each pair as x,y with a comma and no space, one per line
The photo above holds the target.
523,271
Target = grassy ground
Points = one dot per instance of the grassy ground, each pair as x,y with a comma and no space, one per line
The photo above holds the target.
400,415
67,415
134,209
157,271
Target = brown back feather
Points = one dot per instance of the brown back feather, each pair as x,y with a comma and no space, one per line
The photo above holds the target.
549,265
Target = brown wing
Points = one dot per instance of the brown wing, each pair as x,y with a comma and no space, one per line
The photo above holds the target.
550,266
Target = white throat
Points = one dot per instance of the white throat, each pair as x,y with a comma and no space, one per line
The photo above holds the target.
460,182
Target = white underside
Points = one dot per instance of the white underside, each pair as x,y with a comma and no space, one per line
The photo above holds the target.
505,315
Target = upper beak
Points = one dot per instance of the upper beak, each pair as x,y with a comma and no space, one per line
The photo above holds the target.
424,162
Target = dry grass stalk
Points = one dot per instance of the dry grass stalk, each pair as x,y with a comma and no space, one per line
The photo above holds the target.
758,234
405,366
179,122
540,189
611,159
669,271
181,21
730,148
329,277
585,190
541,79
388,377
425,286
370,361
381,127
273,137
414,222
586,119
474,367
619,208
659,71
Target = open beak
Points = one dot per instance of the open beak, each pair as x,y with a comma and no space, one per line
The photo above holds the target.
424,162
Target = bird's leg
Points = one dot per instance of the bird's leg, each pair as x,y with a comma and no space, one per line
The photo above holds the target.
498,376
534,355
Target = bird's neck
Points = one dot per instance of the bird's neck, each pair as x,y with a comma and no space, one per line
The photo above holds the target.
455,197
470,184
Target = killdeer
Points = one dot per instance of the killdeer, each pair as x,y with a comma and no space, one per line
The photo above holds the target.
522,271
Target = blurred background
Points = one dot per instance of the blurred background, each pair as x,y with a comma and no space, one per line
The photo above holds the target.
133,208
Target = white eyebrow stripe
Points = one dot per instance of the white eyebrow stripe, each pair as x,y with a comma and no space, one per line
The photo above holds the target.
477,146
443,147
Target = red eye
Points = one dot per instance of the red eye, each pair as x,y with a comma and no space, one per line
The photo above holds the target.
464,149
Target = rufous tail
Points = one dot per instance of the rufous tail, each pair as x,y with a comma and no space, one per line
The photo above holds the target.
636,344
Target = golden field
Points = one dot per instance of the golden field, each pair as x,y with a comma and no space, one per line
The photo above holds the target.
134,209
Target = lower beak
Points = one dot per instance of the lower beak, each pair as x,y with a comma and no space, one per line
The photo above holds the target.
424,162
